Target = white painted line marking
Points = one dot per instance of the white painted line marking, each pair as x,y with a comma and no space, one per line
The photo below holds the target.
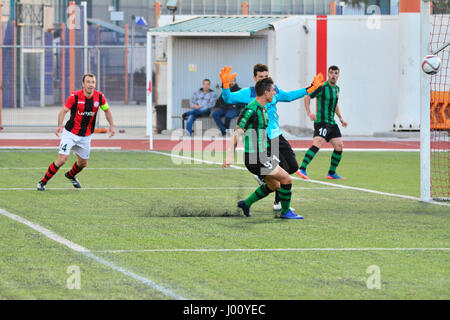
53,148
73,246
273,250
310,180
159,188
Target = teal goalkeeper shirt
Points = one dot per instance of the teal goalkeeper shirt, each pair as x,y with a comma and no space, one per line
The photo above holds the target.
247,95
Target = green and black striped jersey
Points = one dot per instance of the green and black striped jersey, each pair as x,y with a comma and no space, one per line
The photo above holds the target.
327,99
253,119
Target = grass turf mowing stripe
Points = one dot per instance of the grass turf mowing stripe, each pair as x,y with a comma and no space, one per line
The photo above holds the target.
157,188
75,247
310,180
272,250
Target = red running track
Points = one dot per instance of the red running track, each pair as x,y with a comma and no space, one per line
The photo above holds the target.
198,145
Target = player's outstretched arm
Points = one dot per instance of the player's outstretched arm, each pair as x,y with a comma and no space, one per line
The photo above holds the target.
61,115
316,83
232,147
288,96
241,96
226,76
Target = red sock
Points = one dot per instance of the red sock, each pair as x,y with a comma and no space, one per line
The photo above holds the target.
52,170
75,170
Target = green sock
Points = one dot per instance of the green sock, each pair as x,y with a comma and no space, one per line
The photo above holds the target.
309,155
335,159
285,195
260,193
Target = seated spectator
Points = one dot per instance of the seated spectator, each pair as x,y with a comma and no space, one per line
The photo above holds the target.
229,111
202,102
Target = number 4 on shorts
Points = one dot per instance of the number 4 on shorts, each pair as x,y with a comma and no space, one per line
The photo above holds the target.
63,147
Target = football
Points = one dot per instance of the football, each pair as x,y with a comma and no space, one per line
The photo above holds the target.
431,64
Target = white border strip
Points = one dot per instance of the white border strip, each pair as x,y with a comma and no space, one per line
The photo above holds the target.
75,247
310,180
274,250
55,148
159,188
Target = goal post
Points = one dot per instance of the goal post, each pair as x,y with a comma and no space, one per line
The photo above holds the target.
435,103
425,133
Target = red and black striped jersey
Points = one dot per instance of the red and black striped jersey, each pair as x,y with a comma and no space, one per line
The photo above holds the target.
83,112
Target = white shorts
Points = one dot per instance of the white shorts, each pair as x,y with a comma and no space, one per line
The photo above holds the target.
80,146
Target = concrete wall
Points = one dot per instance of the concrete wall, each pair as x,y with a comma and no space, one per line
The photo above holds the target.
367,53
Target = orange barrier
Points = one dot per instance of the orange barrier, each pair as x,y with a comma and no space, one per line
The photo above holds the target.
440,110
100,130
245,8
333,8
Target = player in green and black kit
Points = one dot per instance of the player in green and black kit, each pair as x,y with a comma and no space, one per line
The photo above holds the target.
258,159
325,128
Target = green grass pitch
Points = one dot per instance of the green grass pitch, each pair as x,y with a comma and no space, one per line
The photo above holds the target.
136,202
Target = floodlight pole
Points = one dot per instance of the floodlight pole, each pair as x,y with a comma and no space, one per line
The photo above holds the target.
425,134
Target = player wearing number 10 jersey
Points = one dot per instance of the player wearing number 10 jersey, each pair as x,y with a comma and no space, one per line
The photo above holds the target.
325,128
76,134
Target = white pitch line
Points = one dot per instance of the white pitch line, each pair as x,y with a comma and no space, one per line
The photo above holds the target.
159,188
363,150
53,148
312,181
273,250
133,169
77,248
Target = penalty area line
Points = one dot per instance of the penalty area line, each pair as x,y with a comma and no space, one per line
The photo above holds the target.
86,252
272,250
310,180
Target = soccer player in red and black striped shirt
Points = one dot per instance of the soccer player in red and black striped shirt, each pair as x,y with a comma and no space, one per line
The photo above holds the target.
76,134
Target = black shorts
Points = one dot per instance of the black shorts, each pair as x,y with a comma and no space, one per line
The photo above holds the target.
288,161
261,165
327,131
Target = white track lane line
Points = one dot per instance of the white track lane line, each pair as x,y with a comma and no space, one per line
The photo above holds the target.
86,252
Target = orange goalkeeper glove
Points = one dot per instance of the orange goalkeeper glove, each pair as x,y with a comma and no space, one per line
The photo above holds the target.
316,83
226,76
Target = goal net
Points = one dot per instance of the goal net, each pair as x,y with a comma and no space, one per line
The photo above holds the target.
440,103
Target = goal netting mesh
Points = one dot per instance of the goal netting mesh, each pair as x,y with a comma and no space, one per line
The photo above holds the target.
440,103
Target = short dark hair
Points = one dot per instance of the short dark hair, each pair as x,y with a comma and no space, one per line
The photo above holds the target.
334,68
90,75
259,68
263,85
206,80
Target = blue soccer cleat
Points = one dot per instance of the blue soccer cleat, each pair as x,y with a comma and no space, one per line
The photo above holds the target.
335,176
241,204
290,215
302,174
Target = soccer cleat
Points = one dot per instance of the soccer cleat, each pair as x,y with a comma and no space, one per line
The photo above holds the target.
277,206
41,186
335,176
74,180
241,204
258,179
302,174
290,215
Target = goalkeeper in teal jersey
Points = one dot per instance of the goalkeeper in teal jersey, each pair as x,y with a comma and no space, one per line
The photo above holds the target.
325,127
279,145
258,159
